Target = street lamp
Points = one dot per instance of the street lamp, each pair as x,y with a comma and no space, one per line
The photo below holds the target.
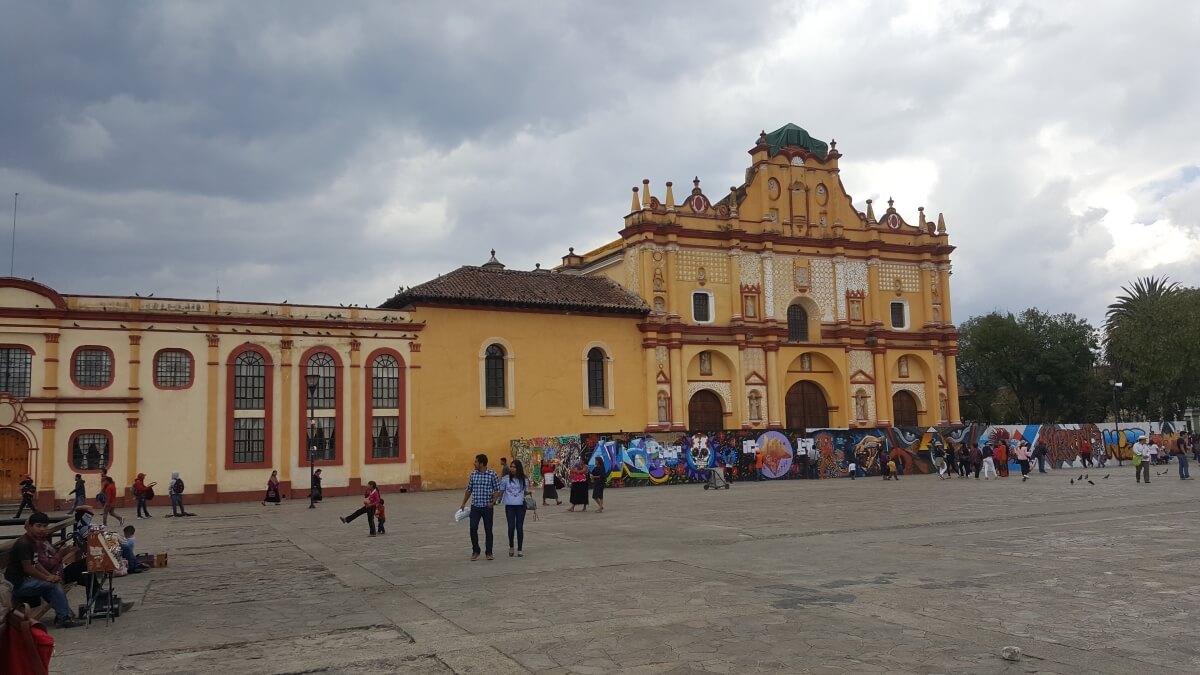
312,380
1117,418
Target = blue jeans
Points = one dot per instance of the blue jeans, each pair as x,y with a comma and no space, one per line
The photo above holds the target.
1183,466
515,515
141,506
177,501
52,593
479,513
80,499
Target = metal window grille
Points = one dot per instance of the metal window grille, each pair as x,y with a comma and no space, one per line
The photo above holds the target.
385,440
90,451
897,315
595,371
323,437
15,366
249,382
700,307
93,368
493,371
249,444
322,365
173,368
797,320
385,382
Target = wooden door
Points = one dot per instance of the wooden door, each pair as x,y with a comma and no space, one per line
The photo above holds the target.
705,412
904,409
806,407
14,462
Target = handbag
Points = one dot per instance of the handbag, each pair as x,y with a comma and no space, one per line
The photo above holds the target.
530,503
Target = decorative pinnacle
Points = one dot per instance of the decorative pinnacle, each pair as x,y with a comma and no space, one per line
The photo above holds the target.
890,202
646,193
696,181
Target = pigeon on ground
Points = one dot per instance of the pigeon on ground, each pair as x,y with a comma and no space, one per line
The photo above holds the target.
1107,475
1085,476
1072,481
1090,483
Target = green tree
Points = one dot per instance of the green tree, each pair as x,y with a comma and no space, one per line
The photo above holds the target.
1150,347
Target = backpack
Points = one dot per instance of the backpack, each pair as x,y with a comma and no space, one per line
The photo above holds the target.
28,488
148,492
177,487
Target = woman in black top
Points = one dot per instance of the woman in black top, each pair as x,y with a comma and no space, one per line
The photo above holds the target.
598,480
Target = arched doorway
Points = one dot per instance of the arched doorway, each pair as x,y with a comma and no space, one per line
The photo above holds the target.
904,409
806,406
14,461
705,412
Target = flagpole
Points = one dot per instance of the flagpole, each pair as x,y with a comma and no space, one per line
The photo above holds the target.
12,256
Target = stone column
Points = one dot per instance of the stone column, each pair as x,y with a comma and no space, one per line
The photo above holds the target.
735,284
650,386
678,391
288,419
49,450
874,308
774,379
50,371
883,389
357,447
210,441
132,451
944,279
135,367
927,282
952,387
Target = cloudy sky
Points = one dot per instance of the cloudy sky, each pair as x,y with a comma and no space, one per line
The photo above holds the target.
331,152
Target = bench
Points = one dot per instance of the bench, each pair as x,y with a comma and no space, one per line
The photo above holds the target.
62,527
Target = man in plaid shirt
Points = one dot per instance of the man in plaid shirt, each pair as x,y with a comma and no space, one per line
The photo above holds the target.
482,490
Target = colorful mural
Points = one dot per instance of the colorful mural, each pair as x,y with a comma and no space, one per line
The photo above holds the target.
632,459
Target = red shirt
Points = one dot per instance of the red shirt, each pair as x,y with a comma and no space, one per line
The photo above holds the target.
110,493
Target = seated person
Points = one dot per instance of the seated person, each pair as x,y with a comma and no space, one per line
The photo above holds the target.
28,577
127,551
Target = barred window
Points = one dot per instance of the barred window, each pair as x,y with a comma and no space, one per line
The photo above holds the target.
385,437
16,364
323,437
595,375
249,381
249,440
493,373
701,307
899,315
173,369
93,368
322,365
91,451
797,320
385,382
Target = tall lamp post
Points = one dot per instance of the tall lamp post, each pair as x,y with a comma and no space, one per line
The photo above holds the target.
312,380
1117,415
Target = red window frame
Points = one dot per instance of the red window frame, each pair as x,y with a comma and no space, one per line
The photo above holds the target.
401,404
191,370
268,406
339,409
71,450
112,359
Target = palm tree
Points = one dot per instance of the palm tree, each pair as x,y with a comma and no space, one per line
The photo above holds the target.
1140,298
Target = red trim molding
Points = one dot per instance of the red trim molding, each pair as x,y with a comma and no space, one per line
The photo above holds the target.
338,408
34,287
268,407
112,360
191,369
401,401
71,449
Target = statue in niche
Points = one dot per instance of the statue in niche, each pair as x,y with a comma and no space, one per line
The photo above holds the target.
899,286
942,408
902,366
664,415
755,406
933,285
658,279
806,362
802,277
860,405
706,363
701,275
660,305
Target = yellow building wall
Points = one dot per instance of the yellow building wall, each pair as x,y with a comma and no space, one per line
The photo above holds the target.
548,387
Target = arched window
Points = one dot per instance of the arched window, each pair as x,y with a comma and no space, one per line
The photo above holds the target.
16,364
385,417
493,375
91,450
248,408
322,403
92,367
797,320
595,378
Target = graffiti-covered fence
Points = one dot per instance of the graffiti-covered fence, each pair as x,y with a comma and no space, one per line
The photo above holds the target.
685,457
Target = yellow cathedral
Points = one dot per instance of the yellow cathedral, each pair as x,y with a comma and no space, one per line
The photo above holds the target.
774,304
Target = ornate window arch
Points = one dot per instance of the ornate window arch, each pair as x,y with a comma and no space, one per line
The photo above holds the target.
249,408
386,413
497,390
598,389
326,432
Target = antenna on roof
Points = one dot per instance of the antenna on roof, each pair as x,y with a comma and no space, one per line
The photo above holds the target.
12,256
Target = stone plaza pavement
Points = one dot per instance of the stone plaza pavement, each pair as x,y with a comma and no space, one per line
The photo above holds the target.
833,576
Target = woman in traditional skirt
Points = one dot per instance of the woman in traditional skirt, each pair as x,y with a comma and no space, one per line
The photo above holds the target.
549,482
599,477
579,486
272,489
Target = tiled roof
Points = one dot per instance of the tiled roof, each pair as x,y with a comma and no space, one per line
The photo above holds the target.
532,290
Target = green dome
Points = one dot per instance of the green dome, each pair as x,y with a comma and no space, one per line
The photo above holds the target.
792,135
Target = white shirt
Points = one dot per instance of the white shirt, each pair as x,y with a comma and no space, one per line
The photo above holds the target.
1143,449
1153,448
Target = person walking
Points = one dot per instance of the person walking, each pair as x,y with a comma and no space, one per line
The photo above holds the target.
381,517
175,492
504,470
1039,452
599,478
550,482
108,490
951,460
369,507
579,486
28,490
988,463
315,493
939,461
272,495
1022,454
976,457
80,492
514,488
1141,460
482,489
140,492
1085,454
1000,460
1182,446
